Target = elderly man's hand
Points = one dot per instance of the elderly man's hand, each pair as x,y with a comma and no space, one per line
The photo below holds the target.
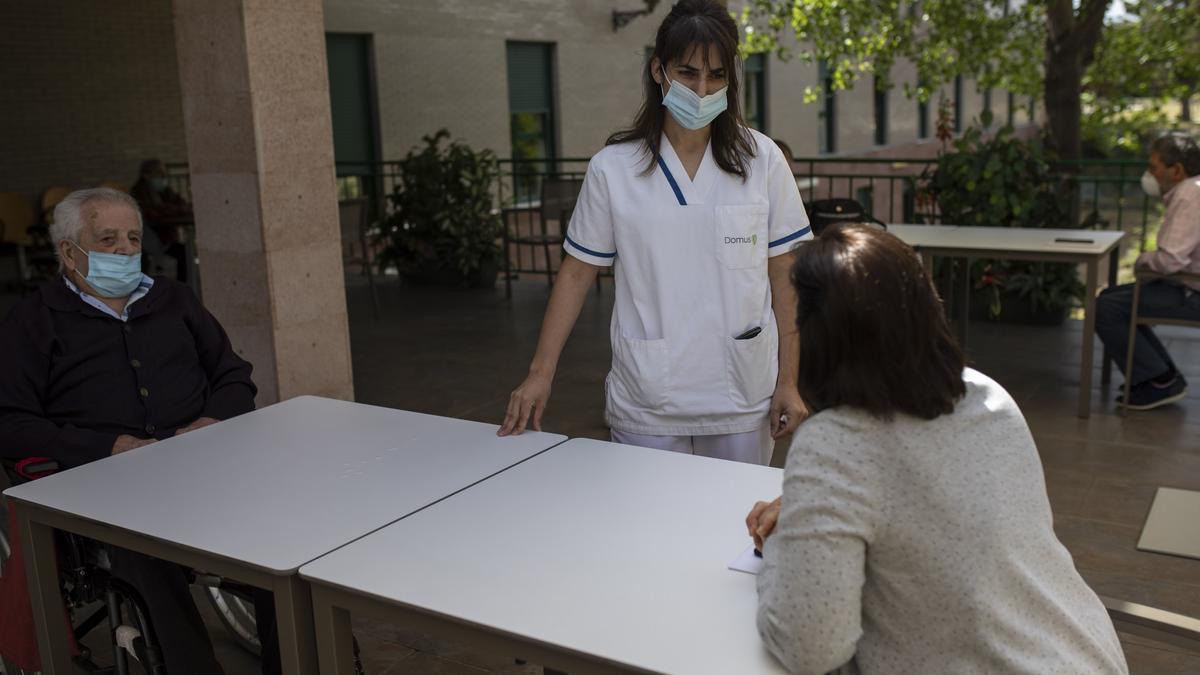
125,443
200,423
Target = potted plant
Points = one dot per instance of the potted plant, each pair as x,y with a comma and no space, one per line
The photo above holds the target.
444,228
1003,181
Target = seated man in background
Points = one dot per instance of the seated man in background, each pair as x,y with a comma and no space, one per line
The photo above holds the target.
102,360
162,208
1173,172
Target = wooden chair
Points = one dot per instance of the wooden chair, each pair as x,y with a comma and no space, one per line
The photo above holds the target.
352,215
50,199
1136,320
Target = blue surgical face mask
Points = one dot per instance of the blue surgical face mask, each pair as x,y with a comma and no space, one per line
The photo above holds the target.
159,184
690,109
112,275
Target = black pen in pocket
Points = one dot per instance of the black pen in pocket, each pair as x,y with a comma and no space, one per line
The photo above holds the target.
753,332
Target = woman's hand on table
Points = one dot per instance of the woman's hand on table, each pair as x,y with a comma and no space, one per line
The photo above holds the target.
526,405
761,521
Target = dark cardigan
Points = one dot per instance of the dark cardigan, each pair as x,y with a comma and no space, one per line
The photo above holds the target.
73,378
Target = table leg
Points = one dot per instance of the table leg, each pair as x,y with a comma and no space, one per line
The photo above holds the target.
1114,259
1089,334
294,617
964,302
45,595
335,643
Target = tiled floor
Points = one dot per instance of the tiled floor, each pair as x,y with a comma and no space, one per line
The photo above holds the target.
459,353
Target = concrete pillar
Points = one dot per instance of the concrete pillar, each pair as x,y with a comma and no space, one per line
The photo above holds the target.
260,147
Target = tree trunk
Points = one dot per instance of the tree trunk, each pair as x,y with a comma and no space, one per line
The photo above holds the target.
1064,107
1185,114
1071,37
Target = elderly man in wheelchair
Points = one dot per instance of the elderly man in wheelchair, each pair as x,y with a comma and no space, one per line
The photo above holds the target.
102,360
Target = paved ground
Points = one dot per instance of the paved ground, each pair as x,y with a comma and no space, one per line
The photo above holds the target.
459,353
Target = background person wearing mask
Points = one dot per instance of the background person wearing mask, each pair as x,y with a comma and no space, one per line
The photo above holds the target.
162,210
1172,173
699,215
914,534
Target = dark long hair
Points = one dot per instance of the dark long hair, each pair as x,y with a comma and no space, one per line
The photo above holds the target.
872,331
694,24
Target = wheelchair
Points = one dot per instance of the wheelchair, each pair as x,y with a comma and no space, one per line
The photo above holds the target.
92,596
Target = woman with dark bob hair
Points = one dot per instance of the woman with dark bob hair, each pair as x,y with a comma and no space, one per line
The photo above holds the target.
914,534
698,215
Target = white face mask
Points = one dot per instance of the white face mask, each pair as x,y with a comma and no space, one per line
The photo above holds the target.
1150,185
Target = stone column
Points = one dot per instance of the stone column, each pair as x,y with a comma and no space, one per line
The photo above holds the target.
260,147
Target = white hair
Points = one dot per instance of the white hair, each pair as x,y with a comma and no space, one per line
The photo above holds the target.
69,216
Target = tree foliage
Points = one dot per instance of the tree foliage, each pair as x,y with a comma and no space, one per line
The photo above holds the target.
943,38
1152,52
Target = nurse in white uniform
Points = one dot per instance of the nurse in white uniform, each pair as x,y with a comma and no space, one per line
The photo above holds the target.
698,215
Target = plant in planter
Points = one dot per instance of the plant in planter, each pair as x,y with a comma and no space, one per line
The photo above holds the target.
1006,182
444,228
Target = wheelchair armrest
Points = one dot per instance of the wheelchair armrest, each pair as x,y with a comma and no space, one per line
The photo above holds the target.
30,468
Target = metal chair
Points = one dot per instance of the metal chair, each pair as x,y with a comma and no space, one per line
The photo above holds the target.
1153,623
352,215
559,194
1136,320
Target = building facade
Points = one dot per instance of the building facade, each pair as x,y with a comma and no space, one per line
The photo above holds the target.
525,78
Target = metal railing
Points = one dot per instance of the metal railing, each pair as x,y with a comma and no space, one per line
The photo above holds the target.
1110,195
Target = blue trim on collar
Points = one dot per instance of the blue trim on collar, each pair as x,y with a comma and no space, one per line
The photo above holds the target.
795,235
589,251
671,179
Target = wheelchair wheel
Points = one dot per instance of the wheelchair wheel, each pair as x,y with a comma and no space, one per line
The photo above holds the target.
5,549
8,668
237,615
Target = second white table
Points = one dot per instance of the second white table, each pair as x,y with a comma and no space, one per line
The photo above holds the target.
591,557
1085,247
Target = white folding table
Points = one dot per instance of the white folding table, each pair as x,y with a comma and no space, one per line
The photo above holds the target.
255,497
591,557
1087,247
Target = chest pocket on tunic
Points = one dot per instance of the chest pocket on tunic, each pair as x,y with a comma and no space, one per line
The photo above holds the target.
741,235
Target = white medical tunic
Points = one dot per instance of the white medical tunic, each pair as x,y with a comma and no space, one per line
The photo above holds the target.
690,261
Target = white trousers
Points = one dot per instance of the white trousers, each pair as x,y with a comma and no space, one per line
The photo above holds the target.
752,447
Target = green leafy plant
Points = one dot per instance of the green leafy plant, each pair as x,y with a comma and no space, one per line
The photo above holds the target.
444,226
1004,181
999,181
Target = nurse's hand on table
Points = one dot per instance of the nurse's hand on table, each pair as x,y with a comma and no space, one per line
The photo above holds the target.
787,411
125,443
526,405
761,521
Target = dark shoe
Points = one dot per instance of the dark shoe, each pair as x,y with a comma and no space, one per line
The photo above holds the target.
1147,395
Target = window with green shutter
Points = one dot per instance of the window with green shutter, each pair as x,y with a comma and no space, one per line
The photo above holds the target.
828,114
754,92
958,103
881,112
531,111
